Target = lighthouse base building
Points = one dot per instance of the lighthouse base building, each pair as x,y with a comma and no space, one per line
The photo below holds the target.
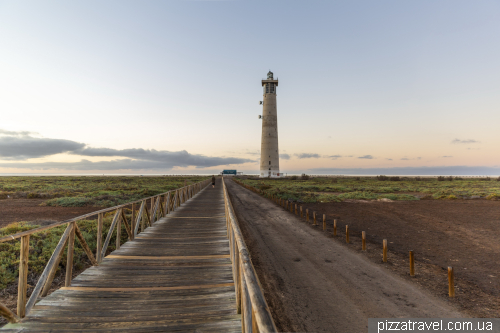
269,151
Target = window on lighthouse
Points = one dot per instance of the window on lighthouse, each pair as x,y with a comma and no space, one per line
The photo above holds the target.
267,87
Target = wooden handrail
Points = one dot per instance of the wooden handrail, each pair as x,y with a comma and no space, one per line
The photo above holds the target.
81,217
255,312
45,281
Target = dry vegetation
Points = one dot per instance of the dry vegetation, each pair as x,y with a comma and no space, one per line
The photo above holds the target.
336,189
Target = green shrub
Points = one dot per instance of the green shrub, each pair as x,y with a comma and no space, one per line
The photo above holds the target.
68,202
388,196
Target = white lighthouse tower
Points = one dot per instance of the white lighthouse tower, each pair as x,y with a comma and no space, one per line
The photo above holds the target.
269,152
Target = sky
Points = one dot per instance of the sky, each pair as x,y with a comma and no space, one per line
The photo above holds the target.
173,87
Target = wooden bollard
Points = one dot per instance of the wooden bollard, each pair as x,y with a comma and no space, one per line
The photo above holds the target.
384,256
451,282
363,241
335,227
324,222
412,264
347,234
301,212
296,212
314,218
307,214
291,207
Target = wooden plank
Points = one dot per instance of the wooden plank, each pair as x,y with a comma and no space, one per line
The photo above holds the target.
206,286
194,217
112,256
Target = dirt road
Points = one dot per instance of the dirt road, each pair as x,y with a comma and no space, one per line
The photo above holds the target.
313,284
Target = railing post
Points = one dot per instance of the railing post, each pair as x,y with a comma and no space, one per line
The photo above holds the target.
142,215
246,316
132,223
22,287
69,257
99,237
152,208
118,232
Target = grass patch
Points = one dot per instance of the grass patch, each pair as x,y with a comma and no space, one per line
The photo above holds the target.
334,189
81,191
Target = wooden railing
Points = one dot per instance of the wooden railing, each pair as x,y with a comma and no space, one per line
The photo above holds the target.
161,205
250,301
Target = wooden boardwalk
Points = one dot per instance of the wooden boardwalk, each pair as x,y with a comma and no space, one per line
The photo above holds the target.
176,276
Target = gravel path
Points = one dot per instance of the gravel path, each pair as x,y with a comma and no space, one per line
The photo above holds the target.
313,284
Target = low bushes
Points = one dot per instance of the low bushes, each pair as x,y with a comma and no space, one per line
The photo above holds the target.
43,243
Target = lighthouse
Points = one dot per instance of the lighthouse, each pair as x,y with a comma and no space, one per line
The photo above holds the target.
269,152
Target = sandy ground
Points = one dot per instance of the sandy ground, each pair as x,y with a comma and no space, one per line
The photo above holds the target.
17,210
314,284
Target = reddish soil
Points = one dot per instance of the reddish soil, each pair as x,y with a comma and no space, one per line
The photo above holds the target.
16,210
462,234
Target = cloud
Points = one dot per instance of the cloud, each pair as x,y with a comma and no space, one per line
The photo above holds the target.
119,164
127,164
16,133
367,157
15,147
25,147
307,155
285,156
334,157
389,159
176,158
469,141
446,156
405,159
411,171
